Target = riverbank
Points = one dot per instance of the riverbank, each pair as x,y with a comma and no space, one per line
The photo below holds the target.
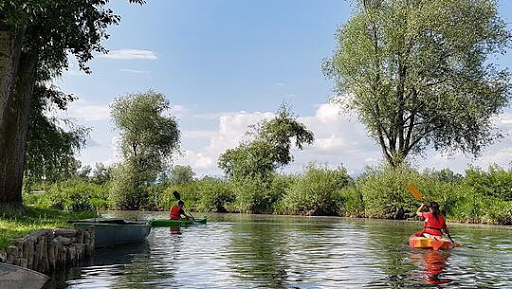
382,193
18,225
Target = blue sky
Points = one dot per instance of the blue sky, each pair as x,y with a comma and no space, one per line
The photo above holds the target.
225,64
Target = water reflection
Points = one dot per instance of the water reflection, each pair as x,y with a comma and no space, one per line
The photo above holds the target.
433,264
258,254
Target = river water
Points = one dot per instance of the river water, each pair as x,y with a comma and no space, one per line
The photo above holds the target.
257,251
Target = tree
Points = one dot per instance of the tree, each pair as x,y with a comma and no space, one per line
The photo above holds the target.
102,174
36,37
269,150
149,137
418,73
181,174
50,153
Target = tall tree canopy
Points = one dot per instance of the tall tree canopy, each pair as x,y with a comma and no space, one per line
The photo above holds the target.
149,137
51,149
418,73
36,37
269,150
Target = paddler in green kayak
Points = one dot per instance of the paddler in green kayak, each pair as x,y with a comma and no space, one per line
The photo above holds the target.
178,213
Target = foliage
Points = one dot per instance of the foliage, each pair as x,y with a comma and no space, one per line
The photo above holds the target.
189,194
317,192
148,139
385,193
51,150
253,195
269,150
352,202
102,174
126,192
496,182
215,195
39,36
181,174
418,73
71,195
14,226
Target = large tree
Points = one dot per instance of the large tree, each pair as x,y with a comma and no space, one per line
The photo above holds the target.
270,149
418,73
36,37
149,137
52,143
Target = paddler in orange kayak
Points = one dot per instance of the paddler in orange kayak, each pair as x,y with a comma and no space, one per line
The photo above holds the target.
434,222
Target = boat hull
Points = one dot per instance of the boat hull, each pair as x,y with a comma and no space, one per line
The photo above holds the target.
176,223
107,234
429,243
16,277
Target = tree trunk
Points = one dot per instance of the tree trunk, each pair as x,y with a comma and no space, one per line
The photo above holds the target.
11,41
10,49
15,131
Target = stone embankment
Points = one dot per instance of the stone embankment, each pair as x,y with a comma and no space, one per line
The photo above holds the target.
47,250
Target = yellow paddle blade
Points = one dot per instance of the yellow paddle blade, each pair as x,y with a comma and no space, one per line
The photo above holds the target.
414,192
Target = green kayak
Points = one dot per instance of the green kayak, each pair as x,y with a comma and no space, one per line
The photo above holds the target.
176,223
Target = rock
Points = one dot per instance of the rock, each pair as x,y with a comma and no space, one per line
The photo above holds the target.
68,233
3,257
64,241
12,254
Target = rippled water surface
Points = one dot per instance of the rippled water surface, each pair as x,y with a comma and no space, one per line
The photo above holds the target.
254,251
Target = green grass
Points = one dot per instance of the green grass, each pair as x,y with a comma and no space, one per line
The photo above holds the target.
17,225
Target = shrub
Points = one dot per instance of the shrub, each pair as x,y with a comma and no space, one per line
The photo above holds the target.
125,193
497,182
385,193
352,202
215,195
72,195
253,195
317,192
189,193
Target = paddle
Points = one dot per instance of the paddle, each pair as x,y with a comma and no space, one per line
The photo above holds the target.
414,192
417,195
178,197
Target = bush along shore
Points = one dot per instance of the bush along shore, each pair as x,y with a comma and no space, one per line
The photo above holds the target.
478,196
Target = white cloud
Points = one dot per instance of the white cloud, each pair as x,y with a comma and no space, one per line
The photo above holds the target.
135,71
130,54
178,110
232,128
84,110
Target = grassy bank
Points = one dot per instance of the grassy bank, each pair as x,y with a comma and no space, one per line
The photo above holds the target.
17,225
478,196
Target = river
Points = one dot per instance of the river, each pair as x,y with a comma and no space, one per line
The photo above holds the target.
260,251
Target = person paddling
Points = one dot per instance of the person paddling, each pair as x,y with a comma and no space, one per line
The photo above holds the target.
434,222
177,212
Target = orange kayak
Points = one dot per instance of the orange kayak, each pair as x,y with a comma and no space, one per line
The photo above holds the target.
430,243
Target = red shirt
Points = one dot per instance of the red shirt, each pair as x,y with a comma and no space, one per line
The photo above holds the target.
176,213
433,225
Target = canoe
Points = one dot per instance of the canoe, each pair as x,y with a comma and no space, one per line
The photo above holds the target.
176,223
113,232
16,277
430,243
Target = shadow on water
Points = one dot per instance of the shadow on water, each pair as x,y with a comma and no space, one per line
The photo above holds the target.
102,264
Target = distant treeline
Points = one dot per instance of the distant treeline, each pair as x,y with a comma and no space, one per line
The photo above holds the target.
478,196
